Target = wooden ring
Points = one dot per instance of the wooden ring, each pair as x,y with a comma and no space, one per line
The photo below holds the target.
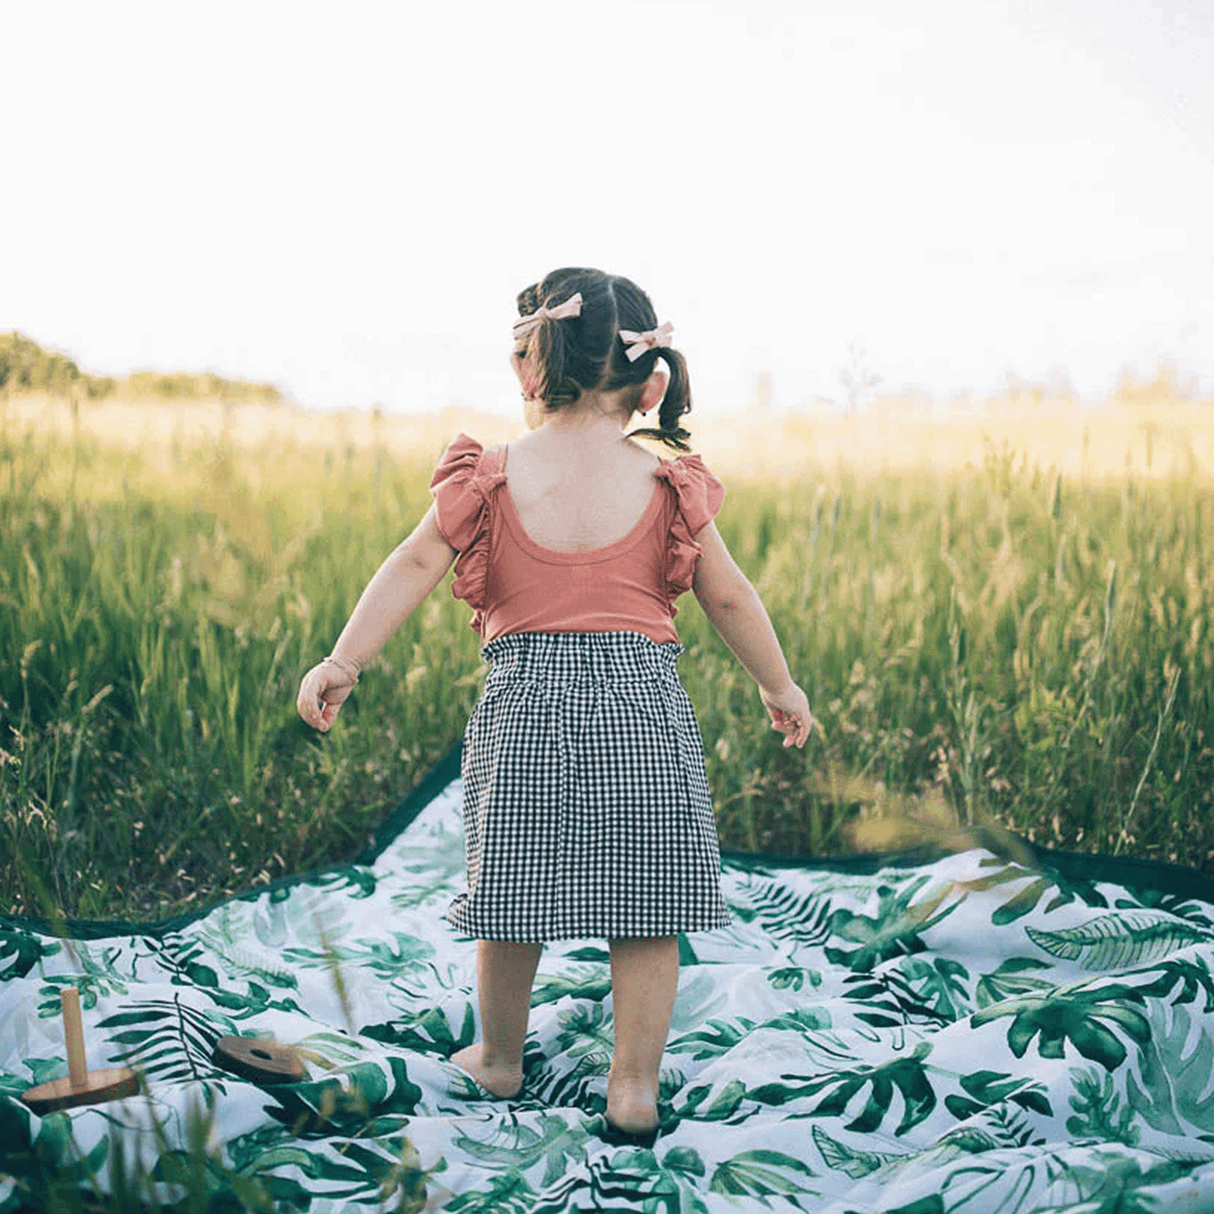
261,1059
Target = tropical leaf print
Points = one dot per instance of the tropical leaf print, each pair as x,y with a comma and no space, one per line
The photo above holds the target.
724,1106
762,1173
274,969
843,1158
21,950
167,1039
513,1142
1179,907
985,1089
793,977
716,1038
1012,978
1099,1113
830,1050
892,998
427,1032
1026,899
1072,1013
783,913
580,982
95,978
507,1191
404,956
906,1075
894,931
1115,942
1174,1069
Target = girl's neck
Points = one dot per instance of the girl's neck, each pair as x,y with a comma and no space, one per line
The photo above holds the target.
593,418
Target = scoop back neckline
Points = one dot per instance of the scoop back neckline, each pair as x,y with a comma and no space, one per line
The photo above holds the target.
557,556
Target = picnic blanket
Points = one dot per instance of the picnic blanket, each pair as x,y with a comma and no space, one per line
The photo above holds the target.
911,1034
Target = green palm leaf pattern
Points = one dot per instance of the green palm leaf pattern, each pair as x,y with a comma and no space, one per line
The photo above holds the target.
1114,942
762,1173
962,1036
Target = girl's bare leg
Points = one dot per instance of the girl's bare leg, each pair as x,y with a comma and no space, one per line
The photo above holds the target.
505,972
644,980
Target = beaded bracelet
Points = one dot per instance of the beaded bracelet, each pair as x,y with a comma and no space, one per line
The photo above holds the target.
344,665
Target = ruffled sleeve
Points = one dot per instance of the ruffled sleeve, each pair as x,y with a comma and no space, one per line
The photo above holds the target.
462,486
698,497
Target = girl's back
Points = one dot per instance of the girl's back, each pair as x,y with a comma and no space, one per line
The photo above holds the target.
577,491
586,806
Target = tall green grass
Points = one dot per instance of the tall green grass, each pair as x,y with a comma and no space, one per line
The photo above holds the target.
994,645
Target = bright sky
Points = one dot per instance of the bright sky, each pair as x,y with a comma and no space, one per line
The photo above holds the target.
344,199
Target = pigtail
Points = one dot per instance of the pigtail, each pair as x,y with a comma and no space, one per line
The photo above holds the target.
566,355
675,403
551,350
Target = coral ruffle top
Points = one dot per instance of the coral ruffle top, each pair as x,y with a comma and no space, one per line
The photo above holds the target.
514,585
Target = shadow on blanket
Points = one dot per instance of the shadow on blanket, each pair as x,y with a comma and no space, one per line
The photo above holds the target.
906,1033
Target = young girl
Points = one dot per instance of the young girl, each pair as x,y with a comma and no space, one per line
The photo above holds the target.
586,809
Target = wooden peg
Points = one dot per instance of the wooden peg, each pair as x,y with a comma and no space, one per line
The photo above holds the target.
81,1086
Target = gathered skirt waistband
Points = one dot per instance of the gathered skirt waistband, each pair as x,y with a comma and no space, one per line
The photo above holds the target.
580,657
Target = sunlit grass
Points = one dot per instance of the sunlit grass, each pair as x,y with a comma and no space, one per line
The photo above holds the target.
988,632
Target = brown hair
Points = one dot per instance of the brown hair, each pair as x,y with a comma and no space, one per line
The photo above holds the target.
584,353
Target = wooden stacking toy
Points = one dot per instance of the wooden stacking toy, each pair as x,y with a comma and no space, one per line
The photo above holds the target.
260,1059
81,1086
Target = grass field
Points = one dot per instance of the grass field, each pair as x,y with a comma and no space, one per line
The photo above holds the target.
1002,617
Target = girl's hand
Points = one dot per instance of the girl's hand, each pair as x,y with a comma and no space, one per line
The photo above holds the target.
789,713
322,692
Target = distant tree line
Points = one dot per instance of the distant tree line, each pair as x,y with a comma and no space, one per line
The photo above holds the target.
26,367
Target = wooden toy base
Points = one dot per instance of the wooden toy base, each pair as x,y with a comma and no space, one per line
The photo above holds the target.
111,1084
260,1059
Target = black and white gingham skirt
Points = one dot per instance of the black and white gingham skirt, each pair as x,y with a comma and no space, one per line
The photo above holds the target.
586,808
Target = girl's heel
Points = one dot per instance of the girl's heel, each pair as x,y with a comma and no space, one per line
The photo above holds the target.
614,1136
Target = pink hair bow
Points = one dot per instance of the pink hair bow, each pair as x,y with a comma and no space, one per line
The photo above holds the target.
638,343
562,311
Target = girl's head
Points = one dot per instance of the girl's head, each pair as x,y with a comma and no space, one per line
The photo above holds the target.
560,359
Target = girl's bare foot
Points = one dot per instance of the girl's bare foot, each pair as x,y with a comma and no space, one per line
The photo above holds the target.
500,1079
632,1104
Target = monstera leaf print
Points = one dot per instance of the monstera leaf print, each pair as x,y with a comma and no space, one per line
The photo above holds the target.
1175,1068
891,997
907,1075
21,950
716,1038
894,931
1072,1013
985,1089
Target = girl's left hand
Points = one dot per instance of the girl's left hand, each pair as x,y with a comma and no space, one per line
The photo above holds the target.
324,689
789,712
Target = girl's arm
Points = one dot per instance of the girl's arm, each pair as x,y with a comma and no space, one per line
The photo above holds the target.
734,609
411,571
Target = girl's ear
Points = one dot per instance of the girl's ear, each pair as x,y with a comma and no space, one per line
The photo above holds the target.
654,390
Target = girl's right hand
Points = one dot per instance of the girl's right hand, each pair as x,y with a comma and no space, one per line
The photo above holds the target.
324,689
790,713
